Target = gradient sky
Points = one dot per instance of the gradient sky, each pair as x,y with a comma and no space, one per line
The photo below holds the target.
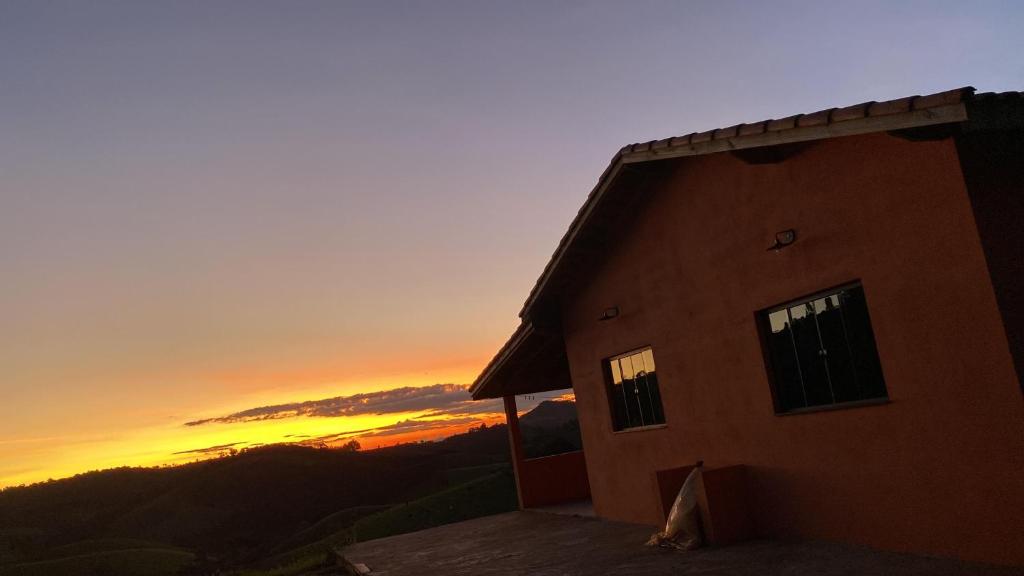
209,206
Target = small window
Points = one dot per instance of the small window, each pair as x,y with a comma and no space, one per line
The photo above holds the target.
821,351
633,390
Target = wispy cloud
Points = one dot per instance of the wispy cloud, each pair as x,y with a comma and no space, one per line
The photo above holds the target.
433,409
403,427
211,449
449,400
407,426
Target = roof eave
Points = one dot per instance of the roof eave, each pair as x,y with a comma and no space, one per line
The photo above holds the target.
507,350
917,111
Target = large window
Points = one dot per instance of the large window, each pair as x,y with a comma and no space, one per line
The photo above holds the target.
633,390
821,351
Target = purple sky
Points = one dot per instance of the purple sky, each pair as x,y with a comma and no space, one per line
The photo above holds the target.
210,205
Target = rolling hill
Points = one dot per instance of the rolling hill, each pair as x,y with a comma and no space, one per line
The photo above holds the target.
265,506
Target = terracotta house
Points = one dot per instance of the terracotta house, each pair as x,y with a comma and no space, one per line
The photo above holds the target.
827,309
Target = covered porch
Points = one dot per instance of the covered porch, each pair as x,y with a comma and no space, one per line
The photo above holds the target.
533,361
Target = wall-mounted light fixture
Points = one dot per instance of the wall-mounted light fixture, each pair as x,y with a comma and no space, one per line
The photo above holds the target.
609,313
783,239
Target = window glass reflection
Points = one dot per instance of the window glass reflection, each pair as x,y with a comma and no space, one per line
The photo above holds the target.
822,351
633,391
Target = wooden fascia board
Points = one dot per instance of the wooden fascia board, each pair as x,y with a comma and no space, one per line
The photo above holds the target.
948,114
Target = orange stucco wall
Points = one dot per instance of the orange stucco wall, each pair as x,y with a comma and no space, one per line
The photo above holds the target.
939,469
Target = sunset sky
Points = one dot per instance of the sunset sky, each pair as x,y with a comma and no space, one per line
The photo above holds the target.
218,211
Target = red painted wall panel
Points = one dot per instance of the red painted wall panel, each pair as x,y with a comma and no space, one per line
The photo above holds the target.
553,479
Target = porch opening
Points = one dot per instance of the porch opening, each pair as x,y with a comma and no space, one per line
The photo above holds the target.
547,453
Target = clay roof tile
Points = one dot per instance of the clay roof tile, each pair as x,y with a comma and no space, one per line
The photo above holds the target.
643,146
753,129
723,133
661,144
943,98
819,118
892,106
854,112
699,137
782,123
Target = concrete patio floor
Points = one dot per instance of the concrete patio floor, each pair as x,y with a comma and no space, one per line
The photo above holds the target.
538,543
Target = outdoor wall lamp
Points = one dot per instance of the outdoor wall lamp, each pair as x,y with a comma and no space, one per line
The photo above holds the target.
609,313
783,239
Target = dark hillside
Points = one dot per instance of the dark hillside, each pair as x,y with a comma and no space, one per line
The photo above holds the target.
230,505
237,509
234,505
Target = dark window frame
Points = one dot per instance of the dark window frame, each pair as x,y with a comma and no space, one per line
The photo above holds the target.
618,427
764,330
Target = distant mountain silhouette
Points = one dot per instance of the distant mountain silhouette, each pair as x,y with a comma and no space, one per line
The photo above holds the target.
551,428
550,414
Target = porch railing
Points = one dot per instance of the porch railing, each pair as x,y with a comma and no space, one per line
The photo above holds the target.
553,479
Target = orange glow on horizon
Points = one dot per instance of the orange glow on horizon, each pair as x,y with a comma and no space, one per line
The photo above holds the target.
375,442
171,445
44,456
